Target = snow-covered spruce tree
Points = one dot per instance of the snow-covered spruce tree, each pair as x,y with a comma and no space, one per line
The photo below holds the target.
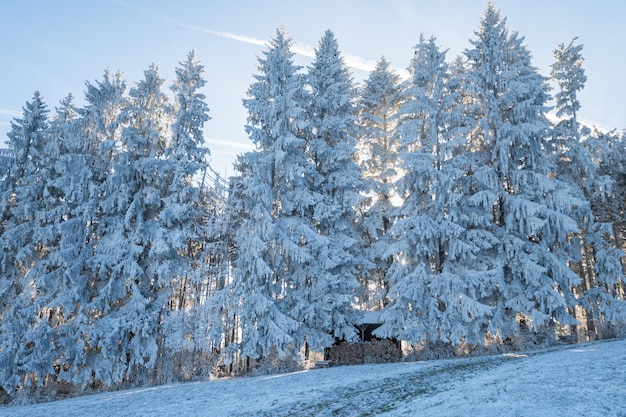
528,210
187,222
25,334
63,270
379,100
613,164
325,287
132,260
278,240
574,159
89,144
58,229
224,299
610,151
600,291
604,243
434,295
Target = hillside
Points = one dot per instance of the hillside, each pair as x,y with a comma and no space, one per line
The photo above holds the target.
587,380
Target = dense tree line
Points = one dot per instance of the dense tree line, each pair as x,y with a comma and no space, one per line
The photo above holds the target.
449,201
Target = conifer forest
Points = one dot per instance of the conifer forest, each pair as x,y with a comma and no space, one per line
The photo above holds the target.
466,207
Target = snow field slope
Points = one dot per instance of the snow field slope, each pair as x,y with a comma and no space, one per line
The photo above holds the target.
586,380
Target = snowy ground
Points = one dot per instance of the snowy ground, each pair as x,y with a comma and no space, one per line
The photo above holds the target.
579,380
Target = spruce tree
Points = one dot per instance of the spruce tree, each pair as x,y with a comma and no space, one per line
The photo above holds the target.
529,211
131,253
274,240
187,219
326,292
577,149
64,269
25,334
433,295
91,144
379,100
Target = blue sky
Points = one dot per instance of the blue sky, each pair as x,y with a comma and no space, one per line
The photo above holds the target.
55,46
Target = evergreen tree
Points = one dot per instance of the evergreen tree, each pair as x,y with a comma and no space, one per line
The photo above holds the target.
434,295
379,100
523,206
131,254
575,160
613,164
326,292
64,269
274,240
183,213
188,218
90,144
600,291
25,334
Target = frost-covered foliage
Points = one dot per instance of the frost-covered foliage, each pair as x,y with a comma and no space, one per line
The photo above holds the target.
193,225
437,278
324,304
294,275
379,100
581,153
488,237
273,242
102,219
25,342
528,211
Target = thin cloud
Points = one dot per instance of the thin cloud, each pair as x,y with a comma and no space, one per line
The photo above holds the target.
227,35
230,144
11,113
359,63
127,4
352,61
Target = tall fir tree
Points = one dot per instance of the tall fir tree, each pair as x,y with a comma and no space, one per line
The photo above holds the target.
25,334
432,297
67,276
601,290
91,143
523,206
187,218
326,293
274,240
379,99
131,254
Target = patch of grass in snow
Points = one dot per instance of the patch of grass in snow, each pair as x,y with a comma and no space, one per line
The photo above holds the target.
372,398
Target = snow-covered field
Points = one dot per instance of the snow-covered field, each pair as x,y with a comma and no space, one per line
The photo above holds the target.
578,380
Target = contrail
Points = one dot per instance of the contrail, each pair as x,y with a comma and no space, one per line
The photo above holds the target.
12,113
351,61
230,144
240,38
